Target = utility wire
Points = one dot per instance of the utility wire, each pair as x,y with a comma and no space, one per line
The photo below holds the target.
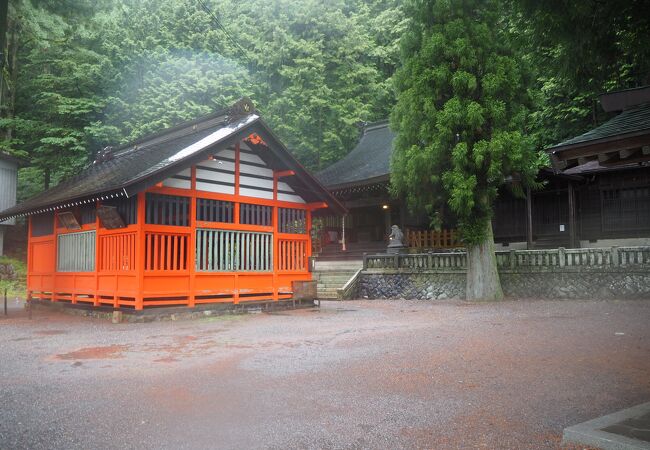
219,25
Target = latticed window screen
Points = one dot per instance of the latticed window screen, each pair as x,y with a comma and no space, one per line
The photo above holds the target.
126,207
233,251
76,252
626,209
255,214
88,214
168,210
292,220
214,210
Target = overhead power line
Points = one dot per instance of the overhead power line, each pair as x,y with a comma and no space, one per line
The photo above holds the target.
223,29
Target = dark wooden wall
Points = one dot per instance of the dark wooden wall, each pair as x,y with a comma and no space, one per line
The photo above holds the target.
615,205
609,205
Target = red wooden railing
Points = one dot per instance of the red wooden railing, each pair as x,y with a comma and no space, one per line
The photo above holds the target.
117,252
292,255
166,251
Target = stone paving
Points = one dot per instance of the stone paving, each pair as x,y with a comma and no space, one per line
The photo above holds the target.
359,374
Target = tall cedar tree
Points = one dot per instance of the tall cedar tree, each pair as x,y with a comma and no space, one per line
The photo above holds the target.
460,118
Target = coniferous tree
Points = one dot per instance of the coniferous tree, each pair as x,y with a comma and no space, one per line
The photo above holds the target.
461,117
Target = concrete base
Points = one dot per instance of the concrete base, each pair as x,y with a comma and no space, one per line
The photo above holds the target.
620,427
171,313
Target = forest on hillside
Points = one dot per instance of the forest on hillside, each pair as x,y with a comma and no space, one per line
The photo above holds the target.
79,75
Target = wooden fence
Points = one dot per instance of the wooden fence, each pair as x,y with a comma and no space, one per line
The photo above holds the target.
433,239
551,259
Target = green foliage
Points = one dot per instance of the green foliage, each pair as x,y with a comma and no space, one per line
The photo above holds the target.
92,74
462,112
16,287
580,50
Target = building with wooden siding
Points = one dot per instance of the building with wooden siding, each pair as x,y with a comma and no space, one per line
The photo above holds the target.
597,192
8,181
211,211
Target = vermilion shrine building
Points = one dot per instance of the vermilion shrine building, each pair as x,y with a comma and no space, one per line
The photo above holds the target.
211,211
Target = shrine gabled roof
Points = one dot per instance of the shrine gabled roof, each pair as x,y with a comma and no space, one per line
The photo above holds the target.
631,121
129,169
368,162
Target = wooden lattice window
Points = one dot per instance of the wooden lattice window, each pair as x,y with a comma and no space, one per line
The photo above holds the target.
88,214
292,221
76,252
255,214
233,251
168,210
126,207
42,224
626,209
214,210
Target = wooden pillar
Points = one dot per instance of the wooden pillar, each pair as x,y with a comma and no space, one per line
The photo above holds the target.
98,255
56,256
237,157
191,251
140,251
529,219
29,256
276,228
308,230
572,216
235,298
387,221
343,248
402,215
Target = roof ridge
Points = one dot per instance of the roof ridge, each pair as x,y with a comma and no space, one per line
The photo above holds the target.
177,131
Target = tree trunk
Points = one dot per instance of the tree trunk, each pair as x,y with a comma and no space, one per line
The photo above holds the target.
4,5
11,105
483,281
46,178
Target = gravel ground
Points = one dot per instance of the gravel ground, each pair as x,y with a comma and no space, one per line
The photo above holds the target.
361,374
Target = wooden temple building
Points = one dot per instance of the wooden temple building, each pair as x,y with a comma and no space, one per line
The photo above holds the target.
596,194
211,211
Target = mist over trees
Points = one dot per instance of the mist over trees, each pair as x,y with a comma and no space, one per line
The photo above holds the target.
83,74
79,75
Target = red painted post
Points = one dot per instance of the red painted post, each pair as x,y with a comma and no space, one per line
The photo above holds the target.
140,252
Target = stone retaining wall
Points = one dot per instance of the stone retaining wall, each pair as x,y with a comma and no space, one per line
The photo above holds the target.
567,284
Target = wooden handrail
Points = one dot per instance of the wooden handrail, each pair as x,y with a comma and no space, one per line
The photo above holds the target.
433,239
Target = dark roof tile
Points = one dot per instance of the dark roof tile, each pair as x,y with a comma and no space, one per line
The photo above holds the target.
369,160
135,166
630,121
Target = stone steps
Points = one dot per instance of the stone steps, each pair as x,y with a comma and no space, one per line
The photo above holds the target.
330,280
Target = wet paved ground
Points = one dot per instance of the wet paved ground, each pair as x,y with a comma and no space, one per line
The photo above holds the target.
364,374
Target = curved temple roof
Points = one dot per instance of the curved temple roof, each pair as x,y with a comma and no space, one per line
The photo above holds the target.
132,168
368,162
633,120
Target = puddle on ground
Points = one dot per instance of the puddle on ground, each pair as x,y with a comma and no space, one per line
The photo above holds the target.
108,352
